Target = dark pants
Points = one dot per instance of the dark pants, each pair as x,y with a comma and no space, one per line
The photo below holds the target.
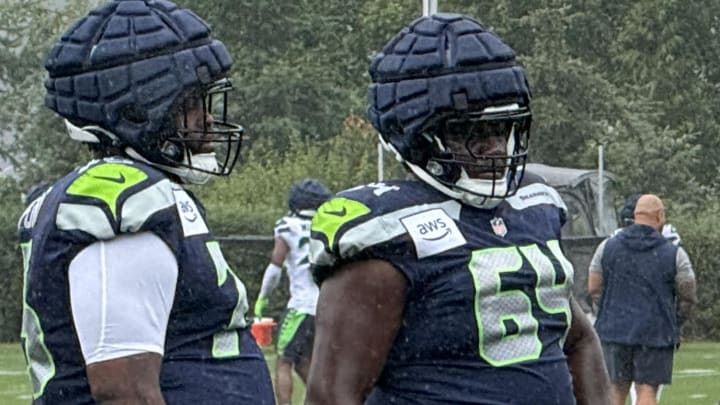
641,364
296,335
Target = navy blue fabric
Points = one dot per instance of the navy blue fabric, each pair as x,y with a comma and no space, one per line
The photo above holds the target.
437,64
637,306
307,194
124,65
201,308
641,364
436,356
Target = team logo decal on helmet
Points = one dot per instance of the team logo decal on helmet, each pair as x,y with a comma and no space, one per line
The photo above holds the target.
446,78
122,75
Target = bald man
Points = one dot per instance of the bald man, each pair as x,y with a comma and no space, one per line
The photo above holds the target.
643,285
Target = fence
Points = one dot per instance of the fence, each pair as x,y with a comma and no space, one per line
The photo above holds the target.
249,255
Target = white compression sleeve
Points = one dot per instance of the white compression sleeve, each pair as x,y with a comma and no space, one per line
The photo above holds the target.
121,294
271,279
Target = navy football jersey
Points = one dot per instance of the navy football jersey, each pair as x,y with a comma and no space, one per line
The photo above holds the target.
487,310
210,356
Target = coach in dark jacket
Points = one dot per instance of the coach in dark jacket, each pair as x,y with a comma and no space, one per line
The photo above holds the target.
643,285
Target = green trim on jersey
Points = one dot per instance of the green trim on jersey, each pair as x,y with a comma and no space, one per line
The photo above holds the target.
226,343
335,213
290,325
106,182
40,363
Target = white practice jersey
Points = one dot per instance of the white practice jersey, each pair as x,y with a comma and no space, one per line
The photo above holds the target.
304,292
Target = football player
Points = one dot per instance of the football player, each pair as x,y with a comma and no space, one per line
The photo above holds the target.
451,288
127,296
297,327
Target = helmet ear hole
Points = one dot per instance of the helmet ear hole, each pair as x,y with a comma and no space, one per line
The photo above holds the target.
172,151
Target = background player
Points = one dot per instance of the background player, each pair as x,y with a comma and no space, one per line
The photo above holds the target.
297,327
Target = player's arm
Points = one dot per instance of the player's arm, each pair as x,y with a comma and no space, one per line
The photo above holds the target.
595,277
273,272
685,285
121,295
358,315
127,380
591,384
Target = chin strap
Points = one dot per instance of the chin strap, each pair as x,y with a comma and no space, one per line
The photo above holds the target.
464,195
186,174
206,162
85,134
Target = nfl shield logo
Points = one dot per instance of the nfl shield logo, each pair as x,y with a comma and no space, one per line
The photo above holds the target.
498,226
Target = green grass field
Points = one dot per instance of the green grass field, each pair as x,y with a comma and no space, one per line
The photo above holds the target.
696,376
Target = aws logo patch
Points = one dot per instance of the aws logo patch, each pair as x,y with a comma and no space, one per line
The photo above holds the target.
432,232
192,222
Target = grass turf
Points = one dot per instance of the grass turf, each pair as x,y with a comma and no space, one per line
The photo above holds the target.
696,376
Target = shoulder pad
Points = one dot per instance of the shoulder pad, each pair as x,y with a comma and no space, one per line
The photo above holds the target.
113,196
285,225
535,192
531,178
359,219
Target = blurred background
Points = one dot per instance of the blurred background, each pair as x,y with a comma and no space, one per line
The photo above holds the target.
624,91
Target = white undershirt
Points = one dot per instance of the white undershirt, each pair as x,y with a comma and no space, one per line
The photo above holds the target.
121,294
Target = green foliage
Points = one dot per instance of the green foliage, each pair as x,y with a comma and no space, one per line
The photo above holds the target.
11,270
641,78
707,271
698,228
39,150
297,68
255,196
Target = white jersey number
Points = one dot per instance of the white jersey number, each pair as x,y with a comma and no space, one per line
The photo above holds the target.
507,329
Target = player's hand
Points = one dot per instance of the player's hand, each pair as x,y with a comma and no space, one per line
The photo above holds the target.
260,305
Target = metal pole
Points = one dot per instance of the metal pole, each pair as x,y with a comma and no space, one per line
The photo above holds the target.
601,185
381,162
429,7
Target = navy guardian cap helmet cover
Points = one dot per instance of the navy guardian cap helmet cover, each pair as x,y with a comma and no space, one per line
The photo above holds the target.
307,194
127,65
443,66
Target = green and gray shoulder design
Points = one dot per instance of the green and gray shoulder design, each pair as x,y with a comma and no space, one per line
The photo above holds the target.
366,217
113,196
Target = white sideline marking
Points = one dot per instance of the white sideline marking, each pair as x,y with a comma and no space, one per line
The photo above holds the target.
11,372
696,372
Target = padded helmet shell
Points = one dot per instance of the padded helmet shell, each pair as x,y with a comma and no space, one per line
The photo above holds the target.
439,64
125,65
307,194
627,213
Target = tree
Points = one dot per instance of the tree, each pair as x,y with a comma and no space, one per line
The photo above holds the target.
37,147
